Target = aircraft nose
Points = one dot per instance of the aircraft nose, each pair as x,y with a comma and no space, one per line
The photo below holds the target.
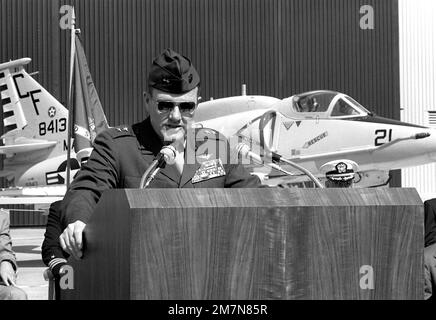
419,146
431,138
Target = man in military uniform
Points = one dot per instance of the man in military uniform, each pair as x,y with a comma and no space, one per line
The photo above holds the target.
339,173
430,249
121,155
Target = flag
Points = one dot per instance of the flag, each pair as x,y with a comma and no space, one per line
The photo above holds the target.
88,116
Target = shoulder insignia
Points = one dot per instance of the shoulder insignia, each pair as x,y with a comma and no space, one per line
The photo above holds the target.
208,144
203,134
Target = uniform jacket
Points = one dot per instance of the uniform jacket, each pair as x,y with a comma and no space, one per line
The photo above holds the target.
6,252
121,155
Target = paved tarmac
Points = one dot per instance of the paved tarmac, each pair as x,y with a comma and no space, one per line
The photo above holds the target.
26,243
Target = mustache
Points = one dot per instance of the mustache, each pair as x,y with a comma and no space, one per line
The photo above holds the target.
174,125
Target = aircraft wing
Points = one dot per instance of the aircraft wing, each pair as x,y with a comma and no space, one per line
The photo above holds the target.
6,173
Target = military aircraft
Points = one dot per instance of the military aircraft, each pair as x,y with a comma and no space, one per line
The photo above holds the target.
313,128
308,129
35,135
37,142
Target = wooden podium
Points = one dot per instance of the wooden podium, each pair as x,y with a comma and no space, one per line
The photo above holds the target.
253,244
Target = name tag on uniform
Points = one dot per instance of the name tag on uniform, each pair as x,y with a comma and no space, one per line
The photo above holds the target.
208,170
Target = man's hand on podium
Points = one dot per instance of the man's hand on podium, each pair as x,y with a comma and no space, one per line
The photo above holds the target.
71,239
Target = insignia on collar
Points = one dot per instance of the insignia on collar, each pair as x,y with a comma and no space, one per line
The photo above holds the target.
208,170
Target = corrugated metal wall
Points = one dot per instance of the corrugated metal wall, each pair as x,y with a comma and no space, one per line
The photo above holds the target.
418,80
276,47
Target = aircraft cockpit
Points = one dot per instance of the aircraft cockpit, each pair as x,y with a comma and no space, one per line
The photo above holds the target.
321,105
311,102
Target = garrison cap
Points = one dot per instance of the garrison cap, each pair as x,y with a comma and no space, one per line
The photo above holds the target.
172,72
339,170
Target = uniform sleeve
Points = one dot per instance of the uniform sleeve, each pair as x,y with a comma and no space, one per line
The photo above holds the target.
51,251
101,172
6,252
239,177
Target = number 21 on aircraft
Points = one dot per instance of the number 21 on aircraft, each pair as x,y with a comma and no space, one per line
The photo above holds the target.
54,126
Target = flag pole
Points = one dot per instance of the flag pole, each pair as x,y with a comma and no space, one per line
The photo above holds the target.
70,97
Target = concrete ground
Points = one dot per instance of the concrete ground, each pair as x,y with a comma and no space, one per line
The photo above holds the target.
26,244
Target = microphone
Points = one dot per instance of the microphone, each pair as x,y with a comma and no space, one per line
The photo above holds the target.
244,151
166,155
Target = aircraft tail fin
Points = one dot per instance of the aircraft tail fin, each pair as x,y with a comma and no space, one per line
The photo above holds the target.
89,118
13,117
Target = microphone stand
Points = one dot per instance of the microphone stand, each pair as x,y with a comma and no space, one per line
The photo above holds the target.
304,170
144,183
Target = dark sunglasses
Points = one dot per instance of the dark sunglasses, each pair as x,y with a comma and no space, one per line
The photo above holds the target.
168,106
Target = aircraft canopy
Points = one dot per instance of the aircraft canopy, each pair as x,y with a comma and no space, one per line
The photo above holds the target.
321,105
